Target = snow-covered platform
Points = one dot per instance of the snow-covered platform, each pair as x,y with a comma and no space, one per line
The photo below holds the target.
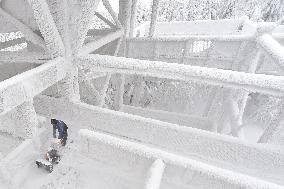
165,105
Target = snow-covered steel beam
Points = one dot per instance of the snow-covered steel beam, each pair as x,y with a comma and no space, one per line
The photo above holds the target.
92,46
97,32
13,42
267,84
21,88
112,13
181,171
28,32
154,15
171,117
231,37
105,20
47,27
273,48
230,152
154,175
19,57
278,35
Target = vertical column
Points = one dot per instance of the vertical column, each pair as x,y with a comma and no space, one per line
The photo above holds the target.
124,14
154,175
124,18
185,51
245,94
274,132
108,77
89,93
112,13
25,119
118,80
154,14
104,90
138,90
155,55
69,86
133,17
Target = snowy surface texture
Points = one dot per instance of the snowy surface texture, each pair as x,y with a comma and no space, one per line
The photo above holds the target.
255,82
21,88
200,27
129,156
153,139
212,148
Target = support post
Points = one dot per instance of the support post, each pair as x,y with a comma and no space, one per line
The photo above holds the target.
108,77
104,90
95,95
118,81
105,20
25,118
138,90
112,13
133,17
154,14
154,175
124,14
275,129
252,69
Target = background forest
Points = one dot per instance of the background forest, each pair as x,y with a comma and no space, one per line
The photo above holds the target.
187,10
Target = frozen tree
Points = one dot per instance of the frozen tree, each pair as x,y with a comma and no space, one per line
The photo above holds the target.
178,10
273,10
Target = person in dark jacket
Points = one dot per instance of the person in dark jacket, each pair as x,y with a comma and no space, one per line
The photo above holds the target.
62,130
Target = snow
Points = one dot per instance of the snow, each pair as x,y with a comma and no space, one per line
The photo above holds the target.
224,151
28,33
23,57
8,143
171,117
105,147
46,23
197,27
273,48
16,90
155,174
135,147
262,83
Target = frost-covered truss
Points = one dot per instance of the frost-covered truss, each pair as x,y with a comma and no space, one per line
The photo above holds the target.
58,56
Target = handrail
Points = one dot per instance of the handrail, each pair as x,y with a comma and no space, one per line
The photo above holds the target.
231,37
21,88
267,84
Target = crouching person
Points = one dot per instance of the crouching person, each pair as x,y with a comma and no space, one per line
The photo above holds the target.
62,128
52,156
